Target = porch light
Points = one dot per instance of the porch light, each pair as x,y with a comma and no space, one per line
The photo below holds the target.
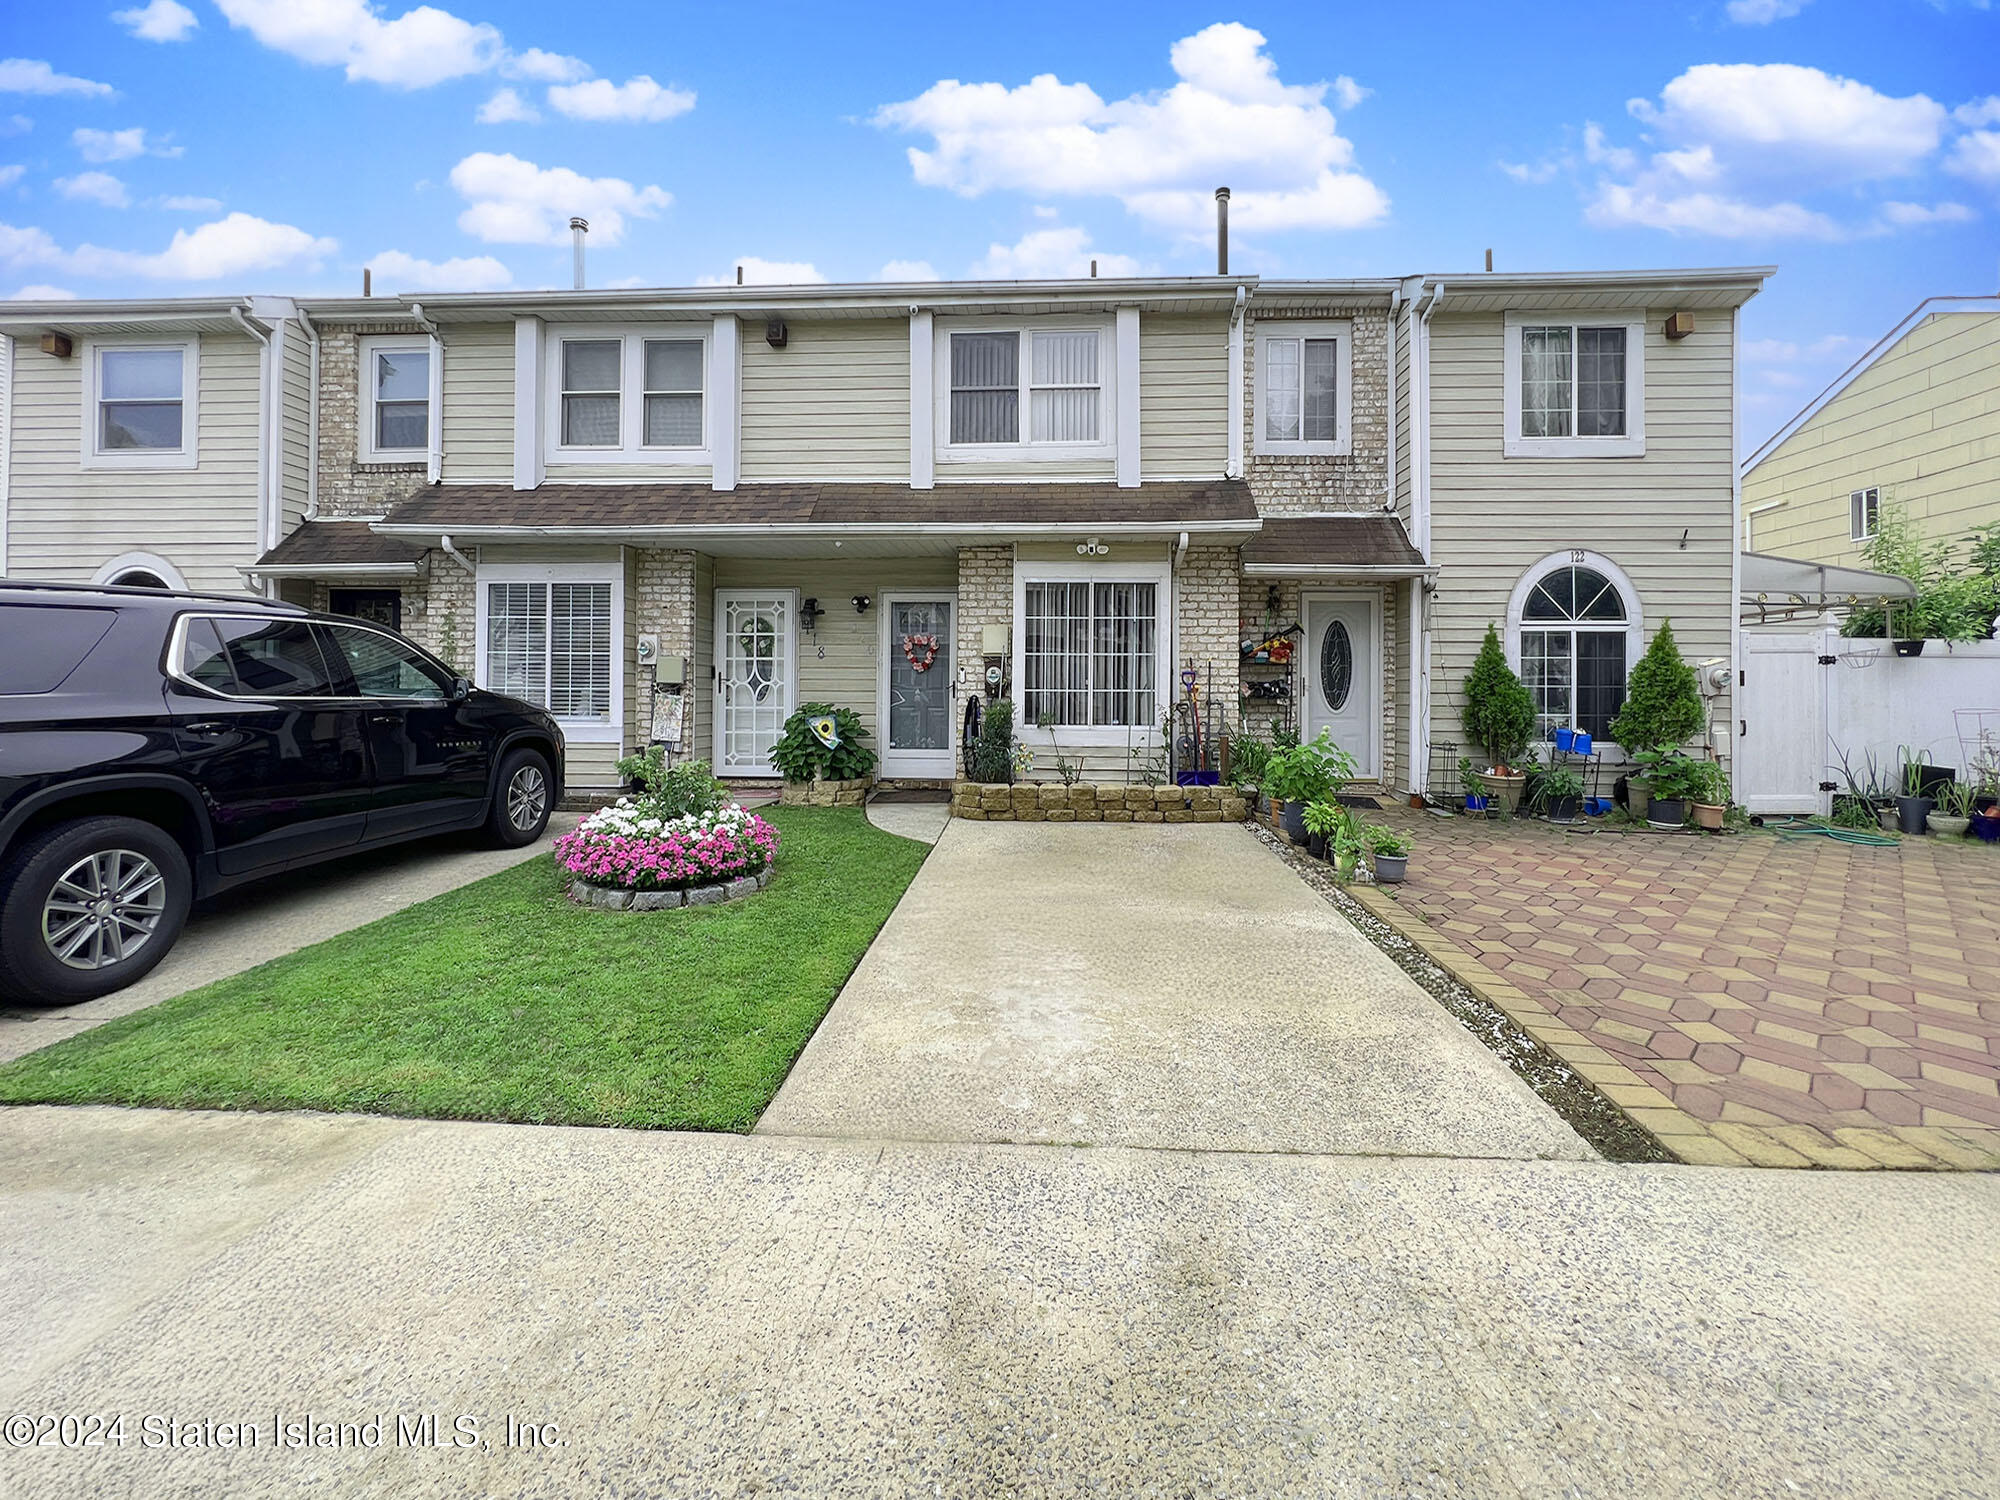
861,603
809,613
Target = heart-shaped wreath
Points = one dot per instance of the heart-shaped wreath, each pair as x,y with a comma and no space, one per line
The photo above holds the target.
921,650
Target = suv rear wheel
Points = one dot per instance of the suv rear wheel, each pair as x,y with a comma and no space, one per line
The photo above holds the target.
89,906
521,800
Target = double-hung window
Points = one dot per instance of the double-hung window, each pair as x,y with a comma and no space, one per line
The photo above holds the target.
1090,653
1035,392
139,406
1304,372
1864,509
1574,388
628,397
396,400
549,635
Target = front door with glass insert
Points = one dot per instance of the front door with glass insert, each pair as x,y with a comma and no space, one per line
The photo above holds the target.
1341,646
917,685
755,658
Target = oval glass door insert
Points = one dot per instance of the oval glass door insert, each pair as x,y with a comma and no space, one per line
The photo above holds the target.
1336,665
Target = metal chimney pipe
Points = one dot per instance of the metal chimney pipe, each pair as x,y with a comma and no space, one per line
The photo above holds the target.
578,228
367,281
1222,231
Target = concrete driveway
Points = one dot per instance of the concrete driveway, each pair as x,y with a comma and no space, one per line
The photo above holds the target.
1145,985
256,923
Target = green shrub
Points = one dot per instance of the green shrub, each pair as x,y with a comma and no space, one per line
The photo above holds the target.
993,751
1308,772
1385,841
1952,603
1663,704
799,755
673,791
1499,712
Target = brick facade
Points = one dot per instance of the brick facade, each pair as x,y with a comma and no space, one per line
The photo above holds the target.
348,487
660,600
1293,485
1206,625
985,597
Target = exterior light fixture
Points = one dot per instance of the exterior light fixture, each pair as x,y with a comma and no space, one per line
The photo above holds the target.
861,603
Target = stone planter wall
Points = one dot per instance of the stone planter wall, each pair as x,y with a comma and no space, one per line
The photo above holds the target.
1051,802
817,793
605,898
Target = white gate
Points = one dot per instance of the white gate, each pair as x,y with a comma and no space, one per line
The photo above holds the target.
1781,749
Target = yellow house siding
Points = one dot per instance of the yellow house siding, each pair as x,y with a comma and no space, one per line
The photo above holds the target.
1922,424
834,403
64,521
478,418
1183,397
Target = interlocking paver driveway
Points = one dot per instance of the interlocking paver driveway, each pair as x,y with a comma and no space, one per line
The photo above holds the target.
1752,980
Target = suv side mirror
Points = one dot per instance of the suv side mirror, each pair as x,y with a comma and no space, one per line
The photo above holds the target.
461,689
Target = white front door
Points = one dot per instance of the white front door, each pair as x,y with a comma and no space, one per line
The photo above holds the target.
756,654
916,684
1344,675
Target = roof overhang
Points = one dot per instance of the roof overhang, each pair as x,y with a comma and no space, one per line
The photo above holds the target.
720,539
1585,291
123,318
1781,587
331,570
1368,544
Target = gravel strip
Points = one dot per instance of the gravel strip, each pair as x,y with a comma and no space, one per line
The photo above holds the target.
1567,1092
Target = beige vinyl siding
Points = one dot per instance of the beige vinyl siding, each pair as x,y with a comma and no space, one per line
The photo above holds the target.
64,521
984,470
848,674
701,669
296,423
1183,397
562,473
1922,424
834,403
1495,517
478,418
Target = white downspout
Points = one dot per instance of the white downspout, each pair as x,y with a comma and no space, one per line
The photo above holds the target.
1420,517
1420,502
444,544
1234,463
434,460
312,416
266,530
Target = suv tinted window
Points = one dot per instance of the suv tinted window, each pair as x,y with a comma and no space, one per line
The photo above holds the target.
384,668
203,658
275,658
45,643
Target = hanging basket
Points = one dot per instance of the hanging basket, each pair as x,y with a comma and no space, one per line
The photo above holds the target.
920,651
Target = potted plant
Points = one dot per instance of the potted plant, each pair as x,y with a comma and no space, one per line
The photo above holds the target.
1304,774
1468,780
1499,715
1321,818
1559,792
1662,711
1391,851
1953,814
1673,777
1913,808
993,750
1711,795
1345,842
1248,756
1986,814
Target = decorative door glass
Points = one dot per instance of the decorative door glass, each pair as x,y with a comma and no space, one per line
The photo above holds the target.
920,676
756,677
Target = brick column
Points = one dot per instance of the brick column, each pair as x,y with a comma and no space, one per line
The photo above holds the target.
662,603
1207,609
985,597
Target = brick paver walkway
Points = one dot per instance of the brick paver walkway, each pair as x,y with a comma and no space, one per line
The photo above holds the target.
1791,1001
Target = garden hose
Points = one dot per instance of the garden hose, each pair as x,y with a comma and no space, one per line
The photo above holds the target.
1799,828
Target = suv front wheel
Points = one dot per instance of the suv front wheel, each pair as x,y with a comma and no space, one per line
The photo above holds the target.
522,800
89,906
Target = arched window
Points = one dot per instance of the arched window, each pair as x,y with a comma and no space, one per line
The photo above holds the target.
139,578
1573,621
140,570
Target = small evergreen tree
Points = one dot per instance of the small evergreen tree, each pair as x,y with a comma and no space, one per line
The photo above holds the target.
993,751
1499,712
1663,706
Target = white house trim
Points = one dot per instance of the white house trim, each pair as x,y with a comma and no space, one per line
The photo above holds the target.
385,343
1340,330
527,403
1127,390
1025,451
186,456
631,395
923,413
722,402
1158,571
611,571
1633,442
151,562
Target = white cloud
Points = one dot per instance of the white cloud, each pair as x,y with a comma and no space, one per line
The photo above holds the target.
760,272
119,145
507,107
637,100
1228,119
1763,12
516,202
161,21
1044,254
95,187
183,203
421,47
1902,215
42,292
1979,112
228,247
395,271
22,75
11,175
545,67
1976,155
1618,205
1347,93
908,270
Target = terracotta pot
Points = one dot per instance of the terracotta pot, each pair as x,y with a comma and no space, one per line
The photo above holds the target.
1709,815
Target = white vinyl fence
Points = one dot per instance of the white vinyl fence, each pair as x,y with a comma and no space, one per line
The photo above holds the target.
1808,696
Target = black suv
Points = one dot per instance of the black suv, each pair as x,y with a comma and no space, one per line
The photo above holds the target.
158,747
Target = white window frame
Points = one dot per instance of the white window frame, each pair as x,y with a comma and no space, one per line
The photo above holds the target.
1157,573
368,348
1024,448
184,457
1857,508
1635,617
1752,516
1631,445
1343,442
631,394
610,731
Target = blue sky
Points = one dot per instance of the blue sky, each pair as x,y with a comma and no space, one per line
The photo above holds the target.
170,148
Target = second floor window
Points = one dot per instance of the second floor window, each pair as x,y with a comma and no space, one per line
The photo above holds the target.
1059,384
139,406
399,400
1302,389
629,397
1574,389
590,392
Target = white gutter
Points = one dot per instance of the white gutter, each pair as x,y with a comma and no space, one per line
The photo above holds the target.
1233,468
846,532
1420,501
267,529
434,460
1420,524
457,556
1736,549
312,415
1389,460
334,570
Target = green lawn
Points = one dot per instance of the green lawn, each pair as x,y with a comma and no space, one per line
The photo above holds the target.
502,1001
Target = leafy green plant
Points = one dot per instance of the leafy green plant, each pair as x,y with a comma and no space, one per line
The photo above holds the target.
1672,774
1866,781
1385,841
1852,812
1468,778
1558,783
1954,799
1322,817
1711,784
1913,764
1248,756
673,791
800,756
1308,772
1954,602
1499,712
993,750
1663,704
1345,839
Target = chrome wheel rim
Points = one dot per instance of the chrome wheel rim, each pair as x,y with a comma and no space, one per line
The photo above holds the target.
527,795
103,909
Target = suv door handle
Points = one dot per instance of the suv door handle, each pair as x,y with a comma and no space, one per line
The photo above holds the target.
385,718
207,726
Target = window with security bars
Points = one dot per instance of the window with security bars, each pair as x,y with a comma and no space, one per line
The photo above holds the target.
1062,386
1573,381
551,644
1088,654
1302,390
1573,645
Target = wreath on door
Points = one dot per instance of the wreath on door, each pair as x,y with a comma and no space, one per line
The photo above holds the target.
921,651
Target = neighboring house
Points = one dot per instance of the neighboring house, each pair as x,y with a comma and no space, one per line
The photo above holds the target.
681,513
1915,422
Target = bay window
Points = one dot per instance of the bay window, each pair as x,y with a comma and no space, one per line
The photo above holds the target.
1573,388
1089,652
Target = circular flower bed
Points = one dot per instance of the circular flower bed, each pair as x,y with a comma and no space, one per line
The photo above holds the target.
650,861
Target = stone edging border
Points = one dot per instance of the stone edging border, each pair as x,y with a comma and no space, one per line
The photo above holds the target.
603,897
